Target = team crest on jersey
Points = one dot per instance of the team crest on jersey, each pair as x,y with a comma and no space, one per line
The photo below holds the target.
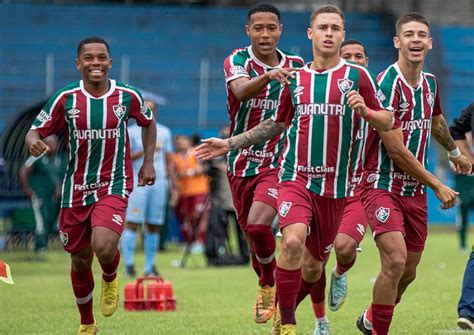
73,113
430,98
298,91
64,237
344,85
285,208
119,111
146,112
382,214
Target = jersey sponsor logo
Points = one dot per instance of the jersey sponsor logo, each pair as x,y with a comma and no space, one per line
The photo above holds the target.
263,103
321,109
285,208
345,85
90,188
95,134
416,124
64,237
273,192
256,156
328,248
117,219
380,96
430,98
361,229
382,214
43,117
372,177
316,172
73,113
119,111
298,91
237,69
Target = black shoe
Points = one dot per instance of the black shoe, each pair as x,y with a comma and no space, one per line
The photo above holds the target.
361,326
466,322
152,273
130,271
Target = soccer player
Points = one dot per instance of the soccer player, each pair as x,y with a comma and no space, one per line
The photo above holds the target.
255,76
460,127
350,232
393,192
148,205
327,98
99,178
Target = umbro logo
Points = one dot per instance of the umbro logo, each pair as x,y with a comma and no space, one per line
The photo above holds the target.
404,106
273,192
117,219
298,91
73,113
328,249
361,229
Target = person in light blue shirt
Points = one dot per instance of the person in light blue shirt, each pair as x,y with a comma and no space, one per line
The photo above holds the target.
147,205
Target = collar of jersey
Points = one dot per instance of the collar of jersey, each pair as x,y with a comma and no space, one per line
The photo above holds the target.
109,92
266,66
400,74
307,67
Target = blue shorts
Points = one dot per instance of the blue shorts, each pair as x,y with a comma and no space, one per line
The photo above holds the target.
148,203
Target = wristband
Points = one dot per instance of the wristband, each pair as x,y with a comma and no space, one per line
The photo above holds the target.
370,114
454,153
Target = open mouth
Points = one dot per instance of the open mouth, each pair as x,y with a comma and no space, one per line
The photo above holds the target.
416,49
328,43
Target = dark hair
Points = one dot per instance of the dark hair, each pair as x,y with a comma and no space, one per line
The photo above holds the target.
413,16
263,7
92,39
351,42
326,9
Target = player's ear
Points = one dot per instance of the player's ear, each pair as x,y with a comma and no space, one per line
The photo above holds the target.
78,64
281,27
430,43
309,32
247,30
396,42
110,62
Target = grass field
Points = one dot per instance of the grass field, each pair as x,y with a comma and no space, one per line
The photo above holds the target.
219,300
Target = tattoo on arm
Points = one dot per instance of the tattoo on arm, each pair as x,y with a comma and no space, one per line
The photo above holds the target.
258,134
443,136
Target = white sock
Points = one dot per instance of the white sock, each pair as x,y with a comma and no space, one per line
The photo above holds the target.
323,319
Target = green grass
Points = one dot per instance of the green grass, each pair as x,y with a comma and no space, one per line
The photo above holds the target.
219,300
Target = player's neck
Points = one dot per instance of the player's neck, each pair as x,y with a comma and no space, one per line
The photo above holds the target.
97,89
411,71
271,60
323,62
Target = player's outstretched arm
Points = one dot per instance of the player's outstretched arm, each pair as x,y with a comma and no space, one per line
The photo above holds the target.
380,120
35,145
215,147
440,131
399,153
147,173
245,89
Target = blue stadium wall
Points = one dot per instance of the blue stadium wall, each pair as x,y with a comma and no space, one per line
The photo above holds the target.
166,45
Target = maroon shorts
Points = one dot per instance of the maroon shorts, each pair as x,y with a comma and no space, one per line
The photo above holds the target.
76,223
354,221
246,190
387,212
297,204
191,207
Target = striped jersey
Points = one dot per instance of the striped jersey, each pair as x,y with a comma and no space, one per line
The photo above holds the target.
97,139
321,140
245,115
414,108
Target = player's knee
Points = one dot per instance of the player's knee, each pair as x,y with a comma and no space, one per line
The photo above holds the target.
409,276
345,247
82,261
105,252
395,267
292,247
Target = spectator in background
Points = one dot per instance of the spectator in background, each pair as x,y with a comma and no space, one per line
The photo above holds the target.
193,185
41,180
148,205
222,196
460,127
